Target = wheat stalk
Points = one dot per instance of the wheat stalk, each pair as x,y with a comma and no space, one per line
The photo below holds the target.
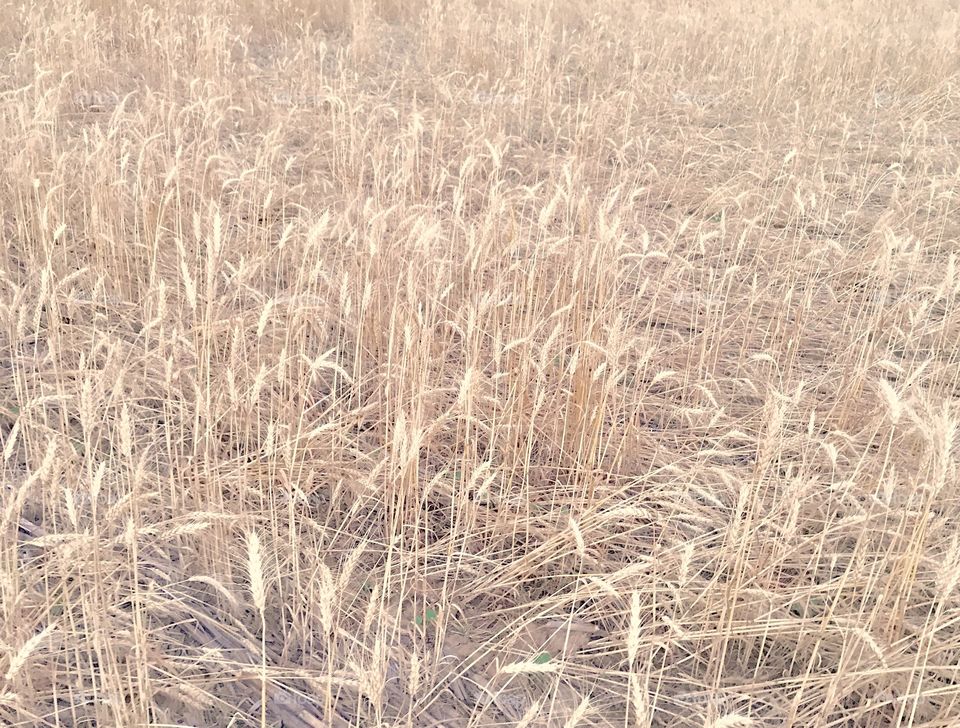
20,658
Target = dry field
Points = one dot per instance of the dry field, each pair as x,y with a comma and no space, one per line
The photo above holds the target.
479,363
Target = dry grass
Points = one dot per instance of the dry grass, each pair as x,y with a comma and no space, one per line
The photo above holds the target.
479,363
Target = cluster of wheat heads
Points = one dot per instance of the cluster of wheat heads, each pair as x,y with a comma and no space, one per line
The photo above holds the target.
475,364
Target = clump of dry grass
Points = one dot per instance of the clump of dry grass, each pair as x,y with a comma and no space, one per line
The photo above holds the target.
471,364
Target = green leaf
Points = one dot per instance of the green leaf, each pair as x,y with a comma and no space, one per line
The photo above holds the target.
431,615
542,659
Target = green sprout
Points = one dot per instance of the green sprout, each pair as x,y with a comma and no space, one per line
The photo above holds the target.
431,615
542,659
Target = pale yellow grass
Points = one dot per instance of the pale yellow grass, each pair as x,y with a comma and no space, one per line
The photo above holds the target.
479,363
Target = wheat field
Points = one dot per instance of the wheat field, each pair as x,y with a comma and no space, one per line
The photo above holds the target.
479,363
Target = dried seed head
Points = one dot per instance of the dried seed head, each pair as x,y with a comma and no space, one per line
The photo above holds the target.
255,570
